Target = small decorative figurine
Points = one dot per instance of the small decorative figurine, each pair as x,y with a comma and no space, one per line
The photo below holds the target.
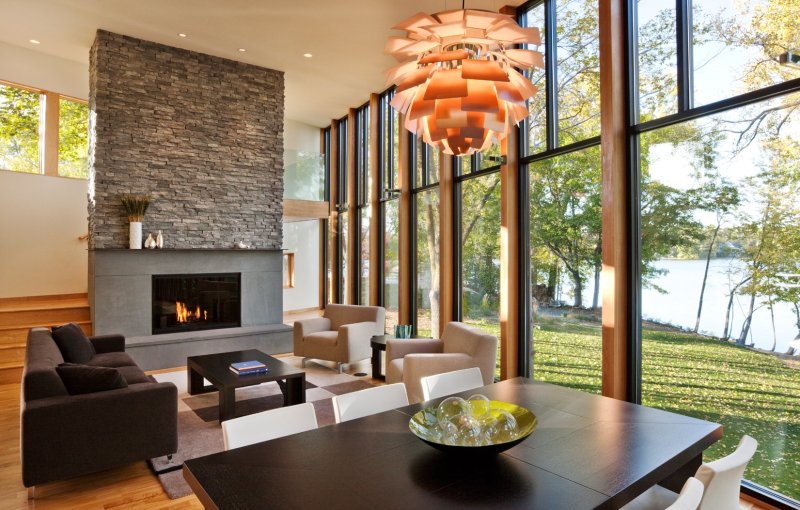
159,240
150,243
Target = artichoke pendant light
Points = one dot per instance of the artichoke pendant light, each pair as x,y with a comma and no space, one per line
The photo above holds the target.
458,83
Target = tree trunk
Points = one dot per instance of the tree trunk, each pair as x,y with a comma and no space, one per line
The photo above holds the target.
552,281
705,277
433,257
728,327
746,325
774,334
596,295
578,287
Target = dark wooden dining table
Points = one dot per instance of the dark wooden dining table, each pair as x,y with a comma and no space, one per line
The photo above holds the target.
587,452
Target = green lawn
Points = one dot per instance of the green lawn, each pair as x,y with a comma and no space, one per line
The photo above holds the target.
746,391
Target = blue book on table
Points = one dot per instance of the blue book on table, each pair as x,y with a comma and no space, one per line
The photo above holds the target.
245,366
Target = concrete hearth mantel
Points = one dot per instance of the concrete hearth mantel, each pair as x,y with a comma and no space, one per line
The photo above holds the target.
120,294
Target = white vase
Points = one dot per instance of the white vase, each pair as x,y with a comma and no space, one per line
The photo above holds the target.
135,235
159,240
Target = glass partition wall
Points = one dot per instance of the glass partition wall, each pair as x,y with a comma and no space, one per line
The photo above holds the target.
389,210
426,231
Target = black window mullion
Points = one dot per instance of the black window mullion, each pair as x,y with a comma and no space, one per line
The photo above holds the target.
551,76
685,67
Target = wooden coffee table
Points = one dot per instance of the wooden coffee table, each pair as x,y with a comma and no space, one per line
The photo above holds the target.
216,369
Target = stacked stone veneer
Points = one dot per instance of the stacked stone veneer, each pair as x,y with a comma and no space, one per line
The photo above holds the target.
201,134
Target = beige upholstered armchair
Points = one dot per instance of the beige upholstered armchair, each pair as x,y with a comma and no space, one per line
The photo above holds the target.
342,334
409,360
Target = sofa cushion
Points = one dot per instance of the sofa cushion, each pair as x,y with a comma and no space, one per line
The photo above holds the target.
133,375
81,379
111,359
322,338
73,343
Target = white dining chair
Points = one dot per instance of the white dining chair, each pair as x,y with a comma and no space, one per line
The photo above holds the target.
439,385
370,401
721,480
266,425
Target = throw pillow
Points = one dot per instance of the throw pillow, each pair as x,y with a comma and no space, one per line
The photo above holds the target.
80,379
75,347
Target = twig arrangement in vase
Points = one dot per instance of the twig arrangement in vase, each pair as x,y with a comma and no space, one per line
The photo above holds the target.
135,207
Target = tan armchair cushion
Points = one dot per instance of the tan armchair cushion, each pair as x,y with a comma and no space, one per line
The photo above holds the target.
342,335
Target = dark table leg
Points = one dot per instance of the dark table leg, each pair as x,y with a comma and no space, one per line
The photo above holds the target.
377,372
227,404
196,385
675,481
295,391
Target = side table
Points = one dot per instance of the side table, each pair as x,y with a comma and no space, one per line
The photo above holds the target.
378,344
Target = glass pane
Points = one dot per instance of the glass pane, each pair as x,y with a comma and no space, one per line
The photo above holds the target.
737,45
343,257
578,62
420,163
427,277
480,254
341,151
535,124
658,60
20,112
303,177
491,157
432,165
721,279
363,255
391,263
73,139
565,269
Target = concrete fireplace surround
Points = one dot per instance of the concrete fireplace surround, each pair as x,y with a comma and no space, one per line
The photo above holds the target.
121,301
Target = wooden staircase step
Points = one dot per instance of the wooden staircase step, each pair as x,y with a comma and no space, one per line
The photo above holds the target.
10,373
10,335
45,316
42,301
14,353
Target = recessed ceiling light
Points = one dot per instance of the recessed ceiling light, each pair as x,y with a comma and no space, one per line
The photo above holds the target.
182,35
307,55
34,41
242,49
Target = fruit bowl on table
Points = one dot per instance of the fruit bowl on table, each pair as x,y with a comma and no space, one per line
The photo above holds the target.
473,426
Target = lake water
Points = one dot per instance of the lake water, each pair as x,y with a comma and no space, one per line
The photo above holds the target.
678,305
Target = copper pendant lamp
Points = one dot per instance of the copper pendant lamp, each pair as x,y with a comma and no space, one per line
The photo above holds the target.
458,83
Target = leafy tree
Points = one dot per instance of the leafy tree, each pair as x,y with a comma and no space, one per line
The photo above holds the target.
19,129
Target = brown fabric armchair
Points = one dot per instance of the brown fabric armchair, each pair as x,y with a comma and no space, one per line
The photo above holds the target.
342,334
409,360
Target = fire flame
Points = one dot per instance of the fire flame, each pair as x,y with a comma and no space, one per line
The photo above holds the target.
185,315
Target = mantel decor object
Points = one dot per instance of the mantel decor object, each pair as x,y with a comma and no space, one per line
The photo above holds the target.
475,426
135,207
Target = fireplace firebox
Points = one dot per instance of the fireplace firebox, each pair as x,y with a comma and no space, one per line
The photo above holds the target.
192,302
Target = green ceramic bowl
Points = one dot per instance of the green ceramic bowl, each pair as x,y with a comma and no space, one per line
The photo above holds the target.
424,425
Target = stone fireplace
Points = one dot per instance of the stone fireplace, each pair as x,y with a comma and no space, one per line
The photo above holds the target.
203,137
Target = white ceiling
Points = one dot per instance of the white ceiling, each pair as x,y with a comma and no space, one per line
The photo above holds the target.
346,38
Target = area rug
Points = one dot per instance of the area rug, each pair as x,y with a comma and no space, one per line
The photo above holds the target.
199,431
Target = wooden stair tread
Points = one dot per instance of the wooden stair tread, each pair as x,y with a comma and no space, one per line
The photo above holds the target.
13,346
55,305
11,364
39,325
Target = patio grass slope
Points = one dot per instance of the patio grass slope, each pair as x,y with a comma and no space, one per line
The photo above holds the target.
747,391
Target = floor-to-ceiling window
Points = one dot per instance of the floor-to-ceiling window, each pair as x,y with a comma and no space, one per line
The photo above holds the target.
363,211
343,223
560,149
717,133
390,217
426,239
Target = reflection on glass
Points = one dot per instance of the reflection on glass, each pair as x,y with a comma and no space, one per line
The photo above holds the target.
535,124
721,279
565,268
391,263
304,175
19,129
427,277
363,255
578,63
658,61
73,139
480,253
343,257
737,45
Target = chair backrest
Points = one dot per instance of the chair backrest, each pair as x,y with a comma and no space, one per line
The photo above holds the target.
722,478
481,346
690,496
266,425
340,315
439,385
370,401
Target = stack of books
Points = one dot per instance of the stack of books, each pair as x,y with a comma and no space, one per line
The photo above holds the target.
248,367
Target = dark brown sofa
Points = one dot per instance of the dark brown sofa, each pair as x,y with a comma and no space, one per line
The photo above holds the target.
65,435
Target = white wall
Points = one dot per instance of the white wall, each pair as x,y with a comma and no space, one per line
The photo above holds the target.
299,136
302,238
41,219
39,70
